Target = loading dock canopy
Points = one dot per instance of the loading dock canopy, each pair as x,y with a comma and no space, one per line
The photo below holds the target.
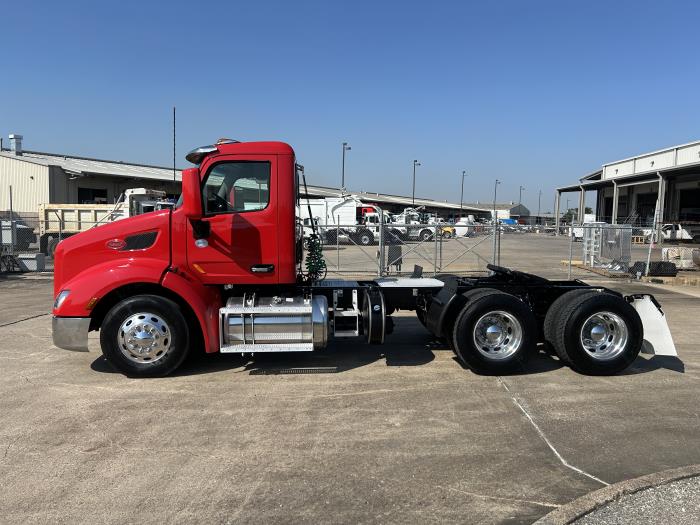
677,166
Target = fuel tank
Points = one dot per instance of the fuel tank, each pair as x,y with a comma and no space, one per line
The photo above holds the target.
250,323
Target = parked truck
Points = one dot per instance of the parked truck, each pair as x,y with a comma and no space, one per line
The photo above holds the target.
415,224
342,218
674,232
60,221
222,272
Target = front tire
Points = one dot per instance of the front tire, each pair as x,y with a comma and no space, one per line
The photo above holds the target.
145,336
494,333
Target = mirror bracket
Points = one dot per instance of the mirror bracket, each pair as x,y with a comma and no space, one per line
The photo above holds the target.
201,229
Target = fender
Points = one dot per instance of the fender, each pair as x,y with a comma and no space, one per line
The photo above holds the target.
97,281
205,302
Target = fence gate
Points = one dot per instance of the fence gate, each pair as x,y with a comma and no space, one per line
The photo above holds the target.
607,246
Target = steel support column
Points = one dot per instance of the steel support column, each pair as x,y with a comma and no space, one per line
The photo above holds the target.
660,207
616,195
557,202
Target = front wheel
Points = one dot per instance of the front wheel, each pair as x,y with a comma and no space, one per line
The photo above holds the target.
145,336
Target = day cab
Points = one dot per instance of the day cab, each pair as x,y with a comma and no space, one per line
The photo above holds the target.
222,272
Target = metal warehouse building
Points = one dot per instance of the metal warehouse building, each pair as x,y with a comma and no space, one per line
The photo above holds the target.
40,178
628,190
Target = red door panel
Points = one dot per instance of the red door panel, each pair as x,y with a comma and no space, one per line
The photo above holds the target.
239,196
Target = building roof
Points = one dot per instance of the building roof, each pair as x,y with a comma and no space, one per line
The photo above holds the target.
488,206
322,191
641,167
87,166
76,165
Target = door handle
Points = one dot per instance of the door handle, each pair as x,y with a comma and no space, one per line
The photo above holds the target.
262,268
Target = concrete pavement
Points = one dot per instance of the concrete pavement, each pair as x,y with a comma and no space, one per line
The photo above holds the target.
399,433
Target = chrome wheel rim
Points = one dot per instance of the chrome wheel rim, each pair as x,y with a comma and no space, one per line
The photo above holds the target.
498,335
604,336
144,338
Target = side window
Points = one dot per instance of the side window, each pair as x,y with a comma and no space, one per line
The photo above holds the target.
237,187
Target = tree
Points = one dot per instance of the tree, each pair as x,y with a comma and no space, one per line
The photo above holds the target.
571,214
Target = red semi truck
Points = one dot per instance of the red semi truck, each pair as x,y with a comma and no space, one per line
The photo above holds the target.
222,272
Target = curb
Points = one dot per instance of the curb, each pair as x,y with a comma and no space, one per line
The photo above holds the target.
600,498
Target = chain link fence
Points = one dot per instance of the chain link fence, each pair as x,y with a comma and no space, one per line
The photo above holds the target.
388,249
395,249
28,244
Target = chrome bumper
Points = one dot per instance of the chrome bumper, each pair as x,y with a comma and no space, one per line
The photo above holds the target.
71,333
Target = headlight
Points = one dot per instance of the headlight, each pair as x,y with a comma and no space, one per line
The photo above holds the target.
60,298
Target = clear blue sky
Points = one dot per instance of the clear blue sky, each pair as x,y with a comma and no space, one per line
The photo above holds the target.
534,93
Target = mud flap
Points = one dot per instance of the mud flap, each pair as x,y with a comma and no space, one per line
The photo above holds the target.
657,335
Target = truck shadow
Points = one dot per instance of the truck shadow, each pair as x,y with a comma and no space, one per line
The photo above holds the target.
644,364
337,358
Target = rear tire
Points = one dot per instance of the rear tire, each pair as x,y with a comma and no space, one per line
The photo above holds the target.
365,238
494,333
598,334
145,336
551,320
425,235
331,237
448,328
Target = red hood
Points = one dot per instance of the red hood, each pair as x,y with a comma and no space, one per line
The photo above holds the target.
124,239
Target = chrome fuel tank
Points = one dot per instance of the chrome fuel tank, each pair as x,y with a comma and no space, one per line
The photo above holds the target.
250,323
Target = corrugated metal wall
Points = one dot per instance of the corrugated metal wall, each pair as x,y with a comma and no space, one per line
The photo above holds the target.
30,185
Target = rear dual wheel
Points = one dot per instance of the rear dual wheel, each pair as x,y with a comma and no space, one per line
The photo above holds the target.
595,333
494,333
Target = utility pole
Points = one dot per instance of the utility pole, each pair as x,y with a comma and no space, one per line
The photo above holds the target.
539,202
461,195
342,177
413,194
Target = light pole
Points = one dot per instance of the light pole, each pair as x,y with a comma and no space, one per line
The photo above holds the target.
413,195
461,195
539,202
342,178
567,208
495,221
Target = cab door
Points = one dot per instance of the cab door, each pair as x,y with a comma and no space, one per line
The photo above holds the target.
236,240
